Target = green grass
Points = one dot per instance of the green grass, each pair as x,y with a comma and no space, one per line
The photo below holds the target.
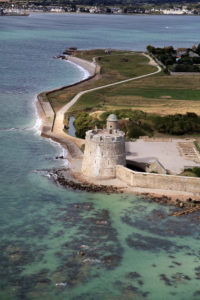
155,92
110,96
117,66
126,65
88,101
90,54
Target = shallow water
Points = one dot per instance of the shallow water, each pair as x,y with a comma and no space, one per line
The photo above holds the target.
71,128
62,244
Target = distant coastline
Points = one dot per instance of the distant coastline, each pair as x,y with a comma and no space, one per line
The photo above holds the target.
61,10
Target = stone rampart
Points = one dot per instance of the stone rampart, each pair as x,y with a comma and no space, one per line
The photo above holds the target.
46,112
189,185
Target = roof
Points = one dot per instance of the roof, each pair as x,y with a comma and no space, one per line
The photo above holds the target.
112,118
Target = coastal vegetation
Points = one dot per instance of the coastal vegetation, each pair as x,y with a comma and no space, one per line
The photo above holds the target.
178,60
191,172
138,123
82,123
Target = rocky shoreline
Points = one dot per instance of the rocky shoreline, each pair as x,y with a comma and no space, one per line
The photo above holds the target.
65,178
166,200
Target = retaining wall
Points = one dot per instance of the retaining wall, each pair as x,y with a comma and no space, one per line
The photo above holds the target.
159,181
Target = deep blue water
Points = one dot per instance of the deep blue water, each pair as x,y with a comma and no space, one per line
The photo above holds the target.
138,254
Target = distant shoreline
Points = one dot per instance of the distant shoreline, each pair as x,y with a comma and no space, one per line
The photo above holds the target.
120,14
96,14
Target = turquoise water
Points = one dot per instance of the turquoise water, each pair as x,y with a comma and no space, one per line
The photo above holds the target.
62,244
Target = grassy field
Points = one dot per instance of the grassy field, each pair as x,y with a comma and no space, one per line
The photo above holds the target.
118,65
157,94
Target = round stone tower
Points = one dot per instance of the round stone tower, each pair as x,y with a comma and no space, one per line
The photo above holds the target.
104,149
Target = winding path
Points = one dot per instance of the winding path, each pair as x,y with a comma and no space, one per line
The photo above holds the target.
58,124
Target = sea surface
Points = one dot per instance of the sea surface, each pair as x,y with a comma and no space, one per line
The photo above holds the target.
61,244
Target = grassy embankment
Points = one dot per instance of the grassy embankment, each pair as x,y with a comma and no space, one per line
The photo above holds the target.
118,65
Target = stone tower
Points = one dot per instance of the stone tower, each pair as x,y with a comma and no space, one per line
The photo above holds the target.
104,149
112,122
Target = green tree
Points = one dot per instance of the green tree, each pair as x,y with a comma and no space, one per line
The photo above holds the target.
198,49
82,123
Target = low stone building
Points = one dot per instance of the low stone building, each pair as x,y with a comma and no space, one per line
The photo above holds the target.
104,150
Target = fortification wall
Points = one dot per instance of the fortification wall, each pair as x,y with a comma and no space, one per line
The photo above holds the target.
189,185
102,154
46,112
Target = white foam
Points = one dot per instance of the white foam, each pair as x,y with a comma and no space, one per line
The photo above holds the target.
13,129
38,121
92,260
61,284
61,152
9,129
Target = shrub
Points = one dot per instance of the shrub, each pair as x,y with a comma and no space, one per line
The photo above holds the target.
195,171
178,124
82,123
150,48
196,60
185,68
135,131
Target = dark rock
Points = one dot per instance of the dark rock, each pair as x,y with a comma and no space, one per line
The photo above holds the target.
57,177
133,275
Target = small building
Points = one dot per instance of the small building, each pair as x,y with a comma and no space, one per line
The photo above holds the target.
104,149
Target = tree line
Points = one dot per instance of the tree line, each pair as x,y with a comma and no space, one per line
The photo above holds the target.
137,123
